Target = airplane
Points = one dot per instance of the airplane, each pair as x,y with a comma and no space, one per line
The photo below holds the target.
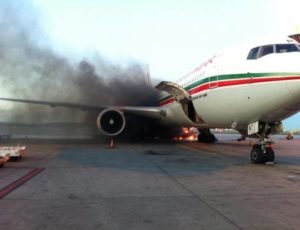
250,88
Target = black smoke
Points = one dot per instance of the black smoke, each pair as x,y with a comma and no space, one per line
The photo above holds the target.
31,69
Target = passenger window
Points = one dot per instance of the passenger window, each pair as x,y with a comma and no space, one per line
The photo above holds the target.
253,53
285,48
265,50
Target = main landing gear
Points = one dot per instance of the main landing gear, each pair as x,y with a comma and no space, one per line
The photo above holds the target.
262,152
206,136
242,138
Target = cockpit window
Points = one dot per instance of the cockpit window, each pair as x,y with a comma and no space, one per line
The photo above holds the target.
265,50
284,48
261,51
253,53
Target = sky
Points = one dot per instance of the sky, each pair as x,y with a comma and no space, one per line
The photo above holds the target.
170,36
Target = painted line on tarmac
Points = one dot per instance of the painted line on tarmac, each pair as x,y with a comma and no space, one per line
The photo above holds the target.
17,183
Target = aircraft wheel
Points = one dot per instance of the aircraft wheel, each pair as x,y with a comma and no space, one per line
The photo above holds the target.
13,159
257,155
210,138
201,138
269,156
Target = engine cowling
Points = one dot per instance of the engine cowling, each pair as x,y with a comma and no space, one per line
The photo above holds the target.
111,121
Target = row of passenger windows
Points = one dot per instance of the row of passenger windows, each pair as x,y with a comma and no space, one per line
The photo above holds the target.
261,51
193,79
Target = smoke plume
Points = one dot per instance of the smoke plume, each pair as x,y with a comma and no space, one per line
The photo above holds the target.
30,69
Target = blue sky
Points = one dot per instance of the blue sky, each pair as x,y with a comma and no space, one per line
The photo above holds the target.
171,36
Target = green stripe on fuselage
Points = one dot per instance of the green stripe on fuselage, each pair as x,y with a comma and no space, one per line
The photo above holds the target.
216,78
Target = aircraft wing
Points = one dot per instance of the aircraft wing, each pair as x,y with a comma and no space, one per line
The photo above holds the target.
151,112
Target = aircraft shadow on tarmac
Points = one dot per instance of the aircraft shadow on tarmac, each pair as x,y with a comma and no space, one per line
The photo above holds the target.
156,159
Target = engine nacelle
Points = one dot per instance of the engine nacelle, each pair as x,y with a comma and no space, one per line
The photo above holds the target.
111,122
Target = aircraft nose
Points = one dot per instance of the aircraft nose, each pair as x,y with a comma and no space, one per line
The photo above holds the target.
293,85
293,79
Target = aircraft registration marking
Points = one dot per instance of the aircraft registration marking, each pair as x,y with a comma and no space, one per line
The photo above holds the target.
200,96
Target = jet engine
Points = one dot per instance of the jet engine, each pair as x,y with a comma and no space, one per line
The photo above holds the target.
111,121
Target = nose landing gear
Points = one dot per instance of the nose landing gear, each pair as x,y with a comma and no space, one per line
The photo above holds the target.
262,152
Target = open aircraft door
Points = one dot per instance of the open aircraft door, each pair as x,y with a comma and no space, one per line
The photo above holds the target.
182,97
178,92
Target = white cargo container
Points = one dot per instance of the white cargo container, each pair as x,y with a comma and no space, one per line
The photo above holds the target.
13,152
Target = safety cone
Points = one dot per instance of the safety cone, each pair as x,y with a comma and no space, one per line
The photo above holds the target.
111,145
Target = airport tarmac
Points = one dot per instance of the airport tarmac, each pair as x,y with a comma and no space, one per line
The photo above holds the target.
174,185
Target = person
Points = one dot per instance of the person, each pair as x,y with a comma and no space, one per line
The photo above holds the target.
290,136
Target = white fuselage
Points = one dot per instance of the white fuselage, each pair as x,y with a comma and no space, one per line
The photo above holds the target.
229,88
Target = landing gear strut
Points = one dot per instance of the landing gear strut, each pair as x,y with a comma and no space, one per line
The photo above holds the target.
262,152
206,136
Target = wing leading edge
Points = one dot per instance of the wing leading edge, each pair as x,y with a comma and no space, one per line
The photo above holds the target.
151,112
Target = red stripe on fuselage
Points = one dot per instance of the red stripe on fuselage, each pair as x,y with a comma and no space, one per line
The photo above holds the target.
221,84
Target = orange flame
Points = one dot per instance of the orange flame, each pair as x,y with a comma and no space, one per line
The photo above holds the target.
187,135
